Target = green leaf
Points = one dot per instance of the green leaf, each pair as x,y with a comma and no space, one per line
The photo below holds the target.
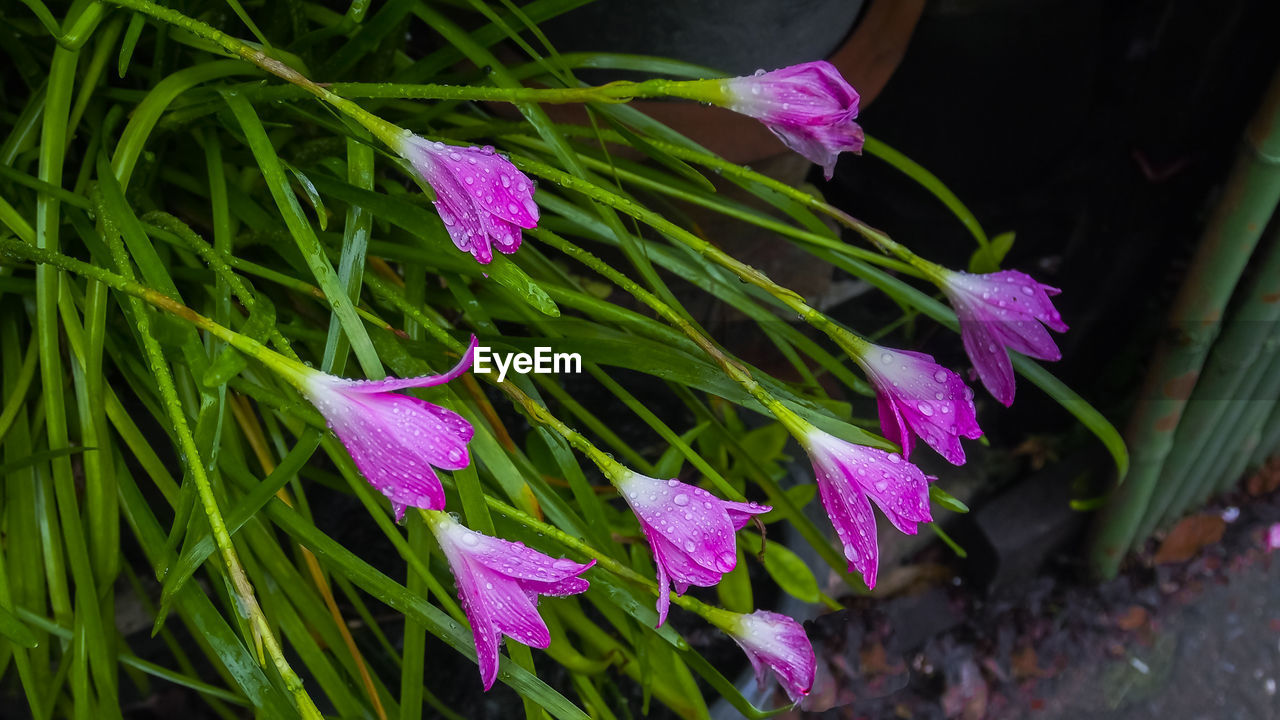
303,235
947,500
313,196
14,629
785,567
668,466
130,41
987,259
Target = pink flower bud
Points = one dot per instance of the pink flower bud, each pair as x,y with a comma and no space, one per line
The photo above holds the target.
810,107
1003,310
847,475
689,530
395,440
918,397
482,198
499,583
778,643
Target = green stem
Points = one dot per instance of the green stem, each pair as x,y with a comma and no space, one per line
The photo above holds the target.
245,595
791,299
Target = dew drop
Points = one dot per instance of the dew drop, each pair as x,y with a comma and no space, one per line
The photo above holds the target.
940,376
681,499
886,358
925,408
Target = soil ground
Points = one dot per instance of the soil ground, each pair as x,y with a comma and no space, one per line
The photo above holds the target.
1189,630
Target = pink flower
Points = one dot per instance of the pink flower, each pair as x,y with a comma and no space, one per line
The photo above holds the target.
482,198
778,643
1003,310
689,530
847,475
1273,537
917,396
395,440
499,583
810,107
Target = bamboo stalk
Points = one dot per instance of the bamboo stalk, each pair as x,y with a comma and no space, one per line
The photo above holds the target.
1226,455
1250,196
1251,428
1270,443
1223,393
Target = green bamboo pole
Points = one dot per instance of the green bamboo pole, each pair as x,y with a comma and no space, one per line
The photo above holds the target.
1250,196
1270,442
1218,467
1223,393
1249,429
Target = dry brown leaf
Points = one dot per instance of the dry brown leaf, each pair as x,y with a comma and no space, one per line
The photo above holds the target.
1026,664
1133,618
875,661
1266,480
1189,536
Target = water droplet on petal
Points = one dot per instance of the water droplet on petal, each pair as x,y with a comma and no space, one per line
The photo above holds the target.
886,358
680,499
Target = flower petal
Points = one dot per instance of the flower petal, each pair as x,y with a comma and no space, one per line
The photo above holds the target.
491,575
990,359
778,643
850,514
680,566
915,393
892,425
484,629
691,519
388,444
517,560
421,381
1004,308
664,590
483,199
494,184
899,489
512,610
740,513
810,107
